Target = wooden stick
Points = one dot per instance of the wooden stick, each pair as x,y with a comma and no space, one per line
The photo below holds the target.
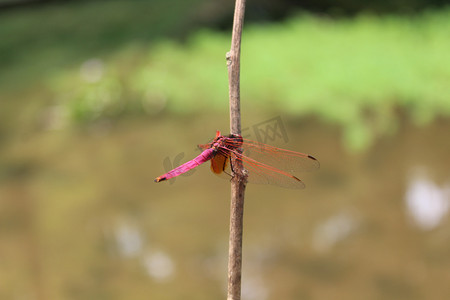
233,65
239,179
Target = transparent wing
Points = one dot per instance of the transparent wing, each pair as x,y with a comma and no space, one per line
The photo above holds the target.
265,164
286,160
261,173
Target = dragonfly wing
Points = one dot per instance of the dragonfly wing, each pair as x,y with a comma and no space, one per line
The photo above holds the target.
265,164
282,159
264,174
271,165
257,172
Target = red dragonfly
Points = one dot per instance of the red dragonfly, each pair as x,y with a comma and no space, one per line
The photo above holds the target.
265,164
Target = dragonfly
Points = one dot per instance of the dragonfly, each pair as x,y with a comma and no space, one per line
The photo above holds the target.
264,164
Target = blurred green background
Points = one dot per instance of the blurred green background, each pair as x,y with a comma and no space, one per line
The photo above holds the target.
97,98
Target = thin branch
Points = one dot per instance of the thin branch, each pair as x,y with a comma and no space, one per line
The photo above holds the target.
239,179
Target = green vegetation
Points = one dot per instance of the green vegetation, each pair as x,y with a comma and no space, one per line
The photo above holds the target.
356,73
49,38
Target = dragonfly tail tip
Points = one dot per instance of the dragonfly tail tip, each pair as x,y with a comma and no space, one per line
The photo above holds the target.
158,179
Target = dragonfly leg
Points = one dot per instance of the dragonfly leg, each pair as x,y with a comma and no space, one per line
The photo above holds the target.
231,168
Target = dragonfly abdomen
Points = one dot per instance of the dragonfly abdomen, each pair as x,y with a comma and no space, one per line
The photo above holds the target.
200,159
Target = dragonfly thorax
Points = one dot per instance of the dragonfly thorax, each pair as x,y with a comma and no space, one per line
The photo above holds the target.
230,142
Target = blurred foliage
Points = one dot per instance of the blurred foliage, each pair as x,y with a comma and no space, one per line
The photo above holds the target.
354,72
69,33
268,9
358,6
86,62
